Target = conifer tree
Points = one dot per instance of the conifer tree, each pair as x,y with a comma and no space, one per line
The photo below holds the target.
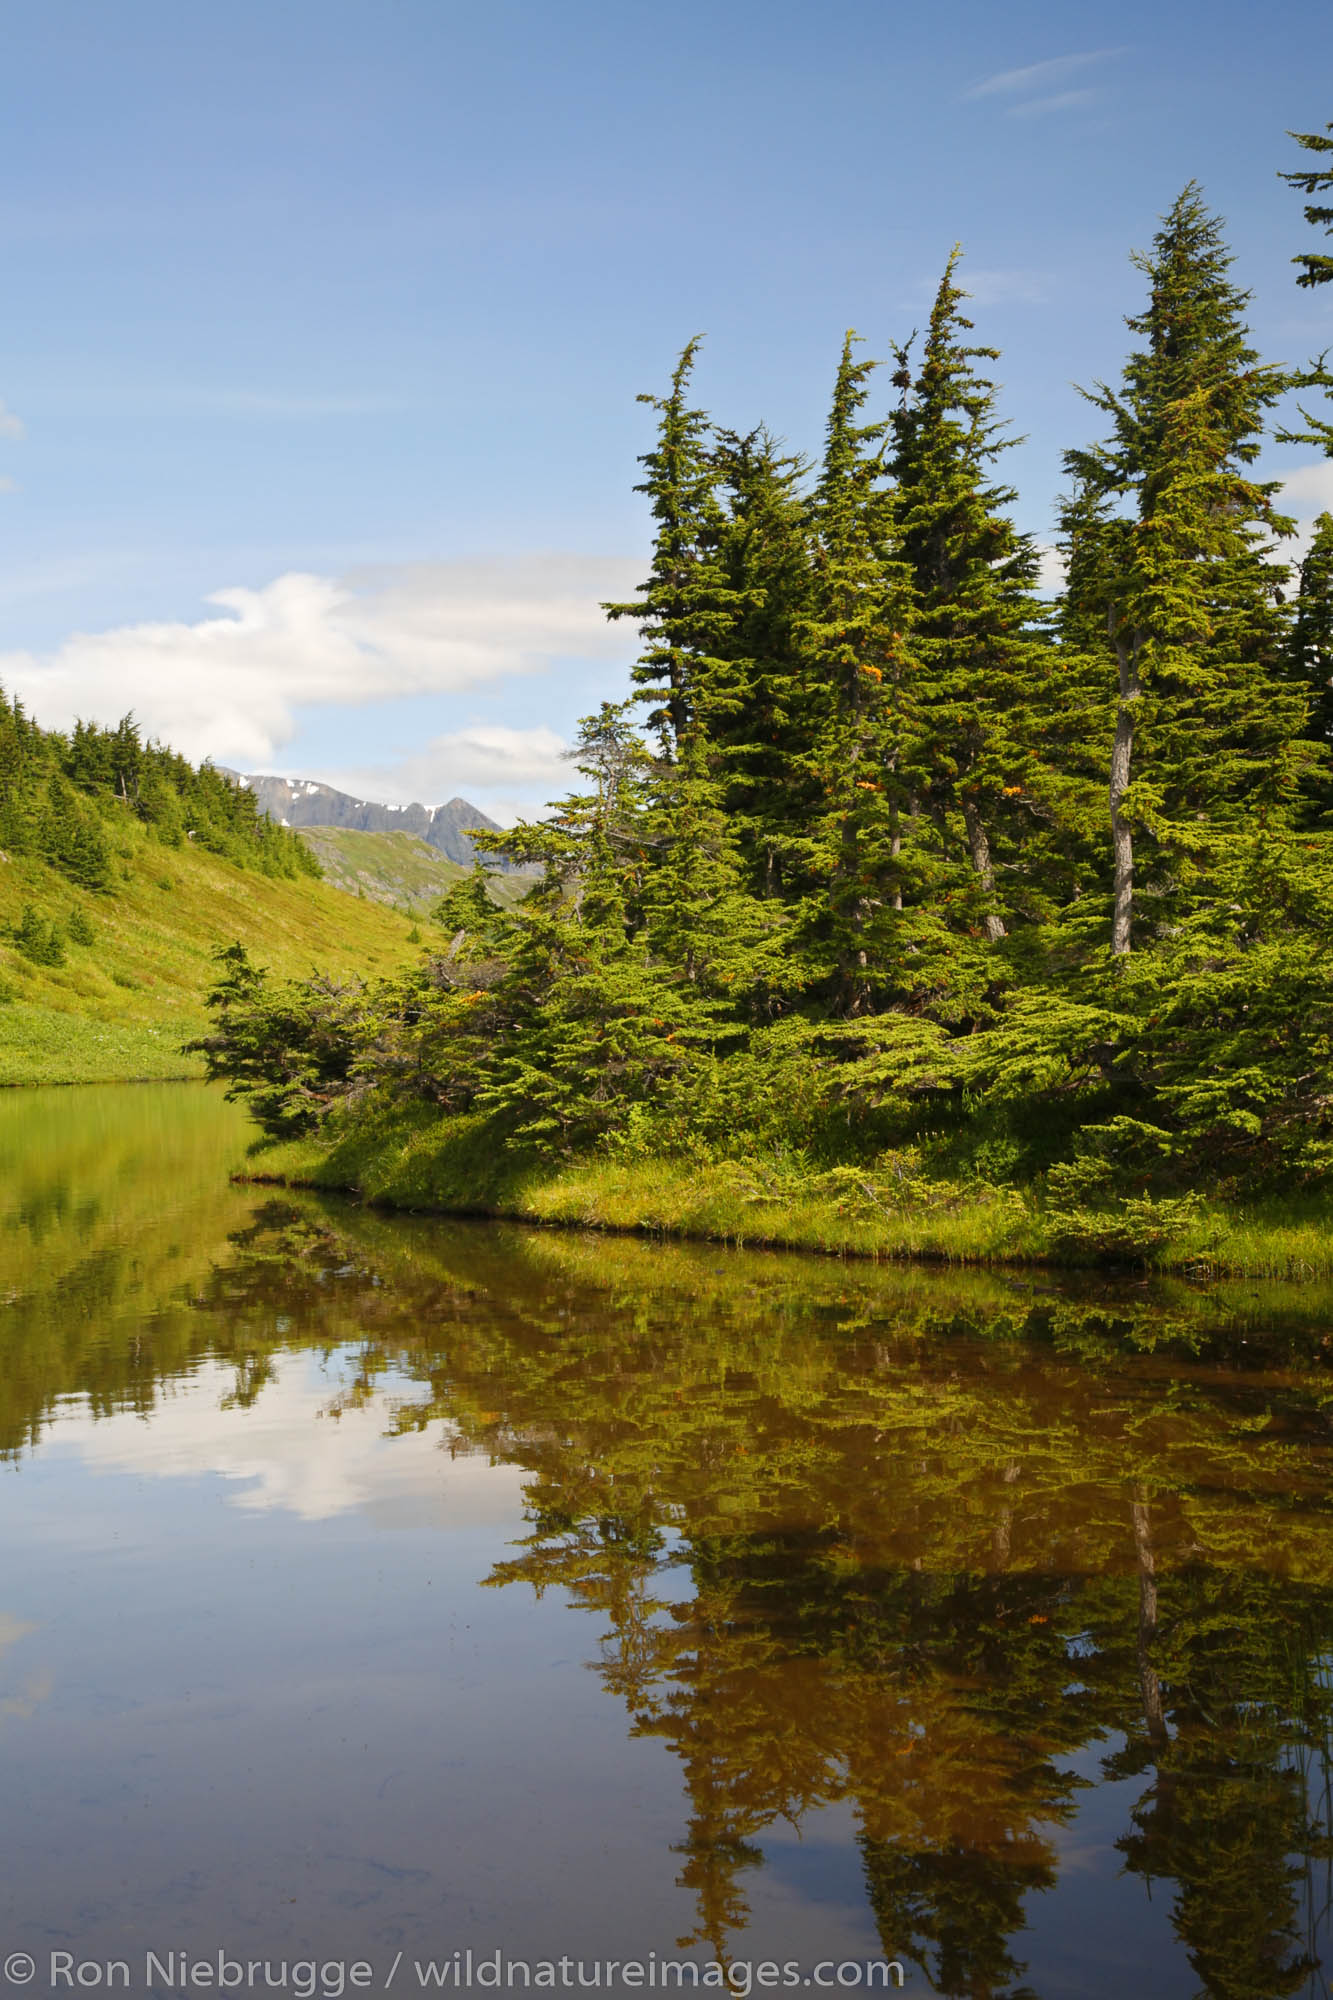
1183,583
1316,269
760,743
855,641
686,608
983,663
699,920
1310,645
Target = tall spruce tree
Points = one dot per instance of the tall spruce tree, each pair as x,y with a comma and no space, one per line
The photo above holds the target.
983,662
1310,644
855,639
770,790
686,608
1170,554
1316,269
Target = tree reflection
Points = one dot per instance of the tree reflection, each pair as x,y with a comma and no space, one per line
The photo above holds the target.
906,1545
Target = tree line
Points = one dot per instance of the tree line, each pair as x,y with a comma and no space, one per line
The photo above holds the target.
63,798
887,849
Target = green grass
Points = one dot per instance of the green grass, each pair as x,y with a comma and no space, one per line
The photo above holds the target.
397,868
415,1160
120,1006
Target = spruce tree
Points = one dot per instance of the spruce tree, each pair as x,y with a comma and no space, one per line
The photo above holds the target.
855,641
983,674
1316,269
699,921
770,791
686,608
1310,644
1182,582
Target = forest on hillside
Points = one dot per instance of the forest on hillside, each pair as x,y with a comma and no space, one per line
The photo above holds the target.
888,856
63,798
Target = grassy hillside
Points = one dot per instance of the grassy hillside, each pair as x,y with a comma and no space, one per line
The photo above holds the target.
398,868
124,1000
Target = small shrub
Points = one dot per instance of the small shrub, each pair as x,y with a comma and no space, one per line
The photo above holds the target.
40,943
1128,1232
79,930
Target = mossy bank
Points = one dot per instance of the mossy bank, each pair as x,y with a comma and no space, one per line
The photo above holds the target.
412,1160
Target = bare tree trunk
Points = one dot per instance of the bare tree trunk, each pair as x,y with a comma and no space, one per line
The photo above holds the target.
1002,1532
1122,839
1154,1713
979,848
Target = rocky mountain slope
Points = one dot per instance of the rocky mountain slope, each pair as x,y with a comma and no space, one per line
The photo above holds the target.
300,802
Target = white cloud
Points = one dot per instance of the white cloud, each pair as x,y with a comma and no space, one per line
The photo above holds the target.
301,1449
8,485
994,288
1309,489
1306,492
1039,76
1051,569
1064,100
230,686
10,425
508,772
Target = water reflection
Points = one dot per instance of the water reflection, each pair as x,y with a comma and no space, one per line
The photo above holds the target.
965,1560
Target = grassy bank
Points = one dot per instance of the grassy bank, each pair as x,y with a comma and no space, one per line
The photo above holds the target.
132,990
422,1163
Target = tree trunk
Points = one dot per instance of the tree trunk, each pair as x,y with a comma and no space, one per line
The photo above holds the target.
979,848
1154,1713
1122,839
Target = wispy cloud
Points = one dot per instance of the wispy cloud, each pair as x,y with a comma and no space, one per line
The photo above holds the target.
994,287
508,772
1039,76
1064,100
8,485
10,425
231,686
997,288
286,407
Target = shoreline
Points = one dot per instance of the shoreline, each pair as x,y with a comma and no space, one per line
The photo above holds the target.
447,1168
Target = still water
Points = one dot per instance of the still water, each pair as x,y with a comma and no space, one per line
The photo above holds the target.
377,1589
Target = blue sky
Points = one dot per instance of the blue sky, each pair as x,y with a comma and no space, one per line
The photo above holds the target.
324,322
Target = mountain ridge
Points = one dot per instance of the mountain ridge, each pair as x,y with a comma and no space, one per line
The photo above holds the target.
306,802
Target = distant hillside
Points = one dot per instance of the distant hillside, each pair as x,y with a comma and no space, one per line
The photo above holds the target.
121,868
397,868
301,802
100,985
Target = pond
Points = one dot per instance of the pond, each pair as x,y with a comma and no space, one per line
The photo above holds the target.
376,1591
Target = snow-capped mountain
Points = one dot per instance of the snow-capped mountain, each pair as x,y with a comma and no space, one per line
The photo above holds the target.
304,802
